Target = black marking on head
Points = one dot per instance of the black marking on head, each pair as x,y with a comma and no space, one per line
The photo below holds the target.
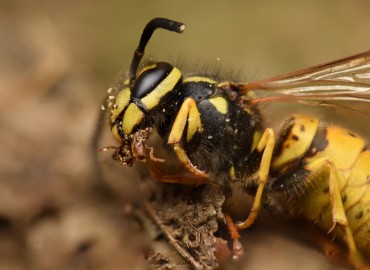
352,135
149,79
295,137
302,128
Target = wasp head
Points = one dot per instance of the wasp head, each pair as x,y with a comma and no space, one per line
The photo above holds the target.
134,109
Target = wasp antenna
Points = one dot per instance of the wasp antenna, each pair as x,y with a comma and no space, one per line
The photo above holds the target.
154,24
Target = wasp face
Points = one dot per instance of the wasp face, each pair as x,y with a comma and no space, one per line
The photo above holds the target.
136,108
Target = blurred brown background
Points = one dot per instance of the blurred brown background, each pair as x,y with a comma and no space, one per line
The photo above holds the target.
57,58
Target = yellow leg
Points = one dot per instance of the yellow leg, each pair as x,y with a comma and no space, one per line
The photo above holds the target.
266,144
187,113
338,213
184,159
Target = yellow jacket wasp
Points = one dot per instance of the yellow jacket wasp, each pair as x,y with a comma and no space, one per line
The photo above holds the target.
216,131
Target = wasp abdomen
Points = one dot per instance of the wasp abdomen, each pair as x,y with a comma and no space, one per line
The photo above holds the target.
334,158
356,197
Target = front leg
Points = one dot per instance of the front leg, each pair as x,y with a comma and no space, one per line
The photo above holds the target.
188,113
265,145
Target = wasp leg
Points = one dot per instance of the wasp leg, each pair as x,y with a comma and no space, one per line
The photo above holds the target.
187,113
235,236
338,213
177,178
266,144
184,159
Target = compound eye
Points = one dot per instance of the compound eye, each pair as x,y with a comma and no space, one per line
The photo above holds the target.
149,79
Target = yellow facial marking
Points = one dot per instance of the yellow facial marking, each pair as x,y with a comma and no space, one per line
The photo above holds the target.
122,100
131,118
220,104
199,79
167,85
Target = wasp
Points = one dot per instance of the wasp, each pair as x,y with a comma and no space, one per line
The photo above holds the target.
217,133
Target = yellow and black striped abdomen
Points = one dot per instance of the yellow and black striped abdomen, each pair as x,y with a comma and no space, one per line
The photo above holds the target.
327,145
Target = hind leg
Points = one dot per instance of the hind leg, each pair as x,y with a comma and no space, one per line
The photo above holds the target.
316,188
339,217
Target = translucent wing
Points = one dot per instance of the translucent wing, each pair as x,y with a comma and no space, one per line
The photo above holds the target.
344,83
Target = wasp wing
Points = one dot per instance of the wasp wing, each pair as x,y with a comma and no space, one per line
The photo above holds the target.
341,84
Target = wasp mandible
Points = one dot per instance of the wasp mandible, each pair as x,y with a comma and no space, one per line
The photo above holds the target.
217,132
